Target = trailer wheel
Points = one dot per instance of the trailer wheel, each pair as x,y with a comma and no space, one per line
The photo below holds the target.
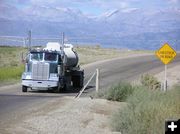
78,79
24,88
78,82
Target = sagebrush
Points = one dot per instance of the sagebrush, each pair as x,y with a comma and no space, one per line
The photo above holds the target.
146,111
120,92
150,82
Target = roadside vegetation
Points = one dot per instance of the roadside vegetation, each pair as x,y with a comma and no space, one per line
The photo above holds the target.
150,82
11,73
147,107
11,66
120,92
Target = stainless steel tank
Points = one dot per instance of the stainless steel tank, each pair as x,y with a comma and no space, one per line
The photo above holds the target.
71,57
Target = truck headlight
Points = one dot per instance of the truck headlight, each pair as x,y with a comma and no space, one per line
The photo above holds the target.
26,75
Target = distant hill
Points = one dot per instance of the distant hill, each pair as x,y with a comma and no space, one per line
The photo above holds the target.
134,29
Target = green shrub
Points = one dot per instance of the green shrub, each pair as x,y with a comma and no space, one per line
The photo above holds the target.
147,111
119,92
150,82
10,73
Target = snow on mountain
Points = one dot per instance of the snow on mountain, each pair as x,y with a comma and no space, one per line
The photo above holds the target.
131,23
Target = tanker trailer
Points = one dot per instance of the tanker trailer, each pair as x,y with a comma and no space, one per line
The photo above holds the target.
54,67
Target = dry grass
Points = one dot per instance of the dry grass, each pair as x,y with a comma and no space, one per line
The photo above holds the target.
147,111
91,54
11,67
10,56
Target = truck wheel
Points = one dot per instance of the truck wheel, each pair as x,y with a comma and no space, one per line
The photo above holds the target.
78,82
63,89
24,89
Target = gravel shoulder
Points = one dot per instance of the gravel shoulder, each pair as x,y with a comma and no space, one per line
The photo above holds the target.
68,115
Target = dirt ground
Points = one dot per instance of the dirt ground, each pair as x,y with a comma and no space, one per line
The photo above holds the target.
173,76
68,115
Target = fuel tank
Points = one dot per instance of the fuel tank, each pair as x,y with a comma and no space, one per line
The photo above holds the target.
71,57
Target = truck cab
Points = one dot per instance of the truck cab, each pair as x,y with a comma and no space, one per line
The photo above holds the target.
52,68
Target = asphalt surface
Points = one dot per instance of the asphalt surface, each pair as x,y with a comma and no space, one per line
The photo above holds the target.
15,105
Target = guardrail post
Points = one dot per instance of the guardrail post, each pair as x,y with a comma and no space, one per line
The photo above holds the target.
97,80
82,90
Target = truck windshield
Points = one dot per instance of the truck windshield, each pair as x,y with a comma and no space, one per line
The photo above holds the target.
36,56
50,57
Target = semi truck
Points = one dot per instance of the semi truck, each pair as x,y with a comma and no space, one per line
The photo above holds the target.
54,67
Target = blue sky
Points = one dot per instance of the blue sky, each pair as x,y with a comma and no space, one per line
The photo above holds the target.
86,7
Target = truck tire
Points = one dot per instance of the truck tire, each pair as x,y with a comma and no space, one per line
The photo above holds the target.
24,89
78,78
77,82
62,89
61,86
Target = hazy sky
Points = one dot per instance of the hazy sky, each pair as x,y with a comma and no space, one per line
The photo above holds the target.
86,7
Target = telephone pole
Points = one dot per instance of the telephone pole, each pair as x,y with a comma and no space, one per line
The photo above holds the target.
29,39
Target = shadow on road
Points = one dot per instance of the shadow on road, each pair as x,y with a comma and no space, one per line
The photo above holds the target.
69,90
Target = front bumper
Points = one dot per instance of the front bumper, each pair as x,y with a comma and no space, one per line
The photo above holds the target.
39,84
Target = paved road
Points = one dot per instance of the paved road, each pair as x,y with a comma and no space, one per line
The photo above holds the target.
15,105
127,69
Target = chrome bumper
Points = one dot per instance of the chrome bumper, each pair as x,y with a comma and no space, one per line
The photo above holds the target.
39,84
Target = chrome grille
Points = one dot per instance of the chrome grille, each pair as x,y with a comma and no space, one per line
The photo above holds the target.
40,71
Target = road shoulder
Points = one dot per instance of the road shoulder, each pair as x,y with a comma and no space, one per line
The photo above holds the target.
70,115
173,76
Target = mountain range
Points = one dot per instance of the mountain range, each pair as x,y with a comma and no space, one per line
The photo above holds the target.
132,28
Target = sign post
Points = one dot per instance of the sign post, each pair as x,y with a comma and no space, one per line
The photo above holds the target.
166,54
165,77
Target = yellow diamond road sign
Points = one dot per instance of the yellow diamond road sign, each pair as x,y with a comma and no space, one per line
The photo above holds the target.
166,53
